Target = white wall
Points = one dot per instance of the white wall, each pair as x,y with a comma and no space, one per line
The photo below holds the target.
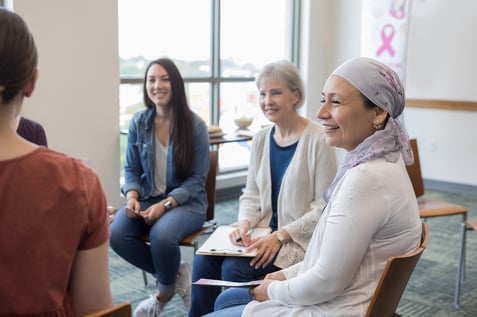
441,65
321,49
77,97
331,31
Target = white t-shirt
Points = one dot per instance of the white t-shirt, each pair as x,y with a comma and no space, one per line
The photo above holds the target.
160,169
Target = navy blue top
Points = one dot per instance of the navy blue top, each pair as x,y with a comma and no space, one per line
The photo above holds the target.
32,131
280,158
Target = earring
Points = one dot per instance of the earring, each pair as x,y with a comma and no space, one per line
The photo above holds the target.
378,125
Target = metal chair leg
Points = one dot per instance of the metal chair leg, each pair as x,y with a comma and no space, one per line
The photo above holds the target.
461,268
196,246
464,219
144,277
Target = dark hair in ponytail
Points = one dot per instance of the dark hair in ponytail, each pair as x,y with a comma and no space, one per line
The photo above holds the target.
18,55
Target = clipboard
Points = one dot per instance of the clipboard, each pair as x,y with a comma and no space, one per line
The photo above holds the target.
219,242
221,283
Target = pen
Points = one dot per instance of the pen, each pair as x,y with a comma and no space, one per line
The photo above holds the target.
248,234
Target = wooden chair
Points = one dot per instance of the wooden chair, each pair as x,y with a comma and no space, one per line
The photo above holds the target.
429,208
118,310
210,186
192,239
394,279
468,225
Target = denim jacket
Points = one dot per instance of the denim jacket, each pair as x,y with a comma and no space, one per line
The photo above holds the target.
140,156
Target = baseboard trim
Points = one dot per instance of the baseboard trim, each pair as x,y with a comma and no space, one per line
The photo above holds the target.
230,180
450,187
228,193
230,185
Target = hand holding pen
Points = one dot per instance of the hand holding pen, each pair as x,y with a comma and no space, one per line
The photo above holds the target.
248,234
241,236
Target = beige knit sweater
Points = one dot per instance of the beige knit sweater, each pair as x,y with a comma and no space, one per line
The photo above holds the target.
300,201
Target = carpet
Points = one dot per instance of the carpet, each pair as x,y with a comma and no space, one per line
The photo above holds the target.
430,291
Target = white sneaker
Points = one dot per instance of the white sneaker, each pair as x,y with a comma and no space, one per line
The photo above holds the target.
184,284
150,307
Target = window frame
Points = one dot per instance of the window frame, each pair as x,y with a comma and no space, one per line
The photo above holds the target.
216,79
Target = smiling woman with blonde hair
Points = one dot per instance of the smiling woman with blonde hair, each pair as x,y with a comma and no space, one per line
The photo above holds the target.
290,167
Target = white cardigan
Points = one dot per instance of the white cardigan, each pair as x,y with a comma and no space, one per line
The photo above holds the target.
372,215
300,201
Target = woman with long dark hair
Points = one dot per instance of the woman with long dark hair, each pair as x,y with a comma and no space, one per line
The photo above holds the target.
167,160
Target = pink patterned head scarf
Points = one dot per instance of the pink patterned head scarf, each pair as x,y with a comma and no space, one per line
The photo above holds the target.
382,86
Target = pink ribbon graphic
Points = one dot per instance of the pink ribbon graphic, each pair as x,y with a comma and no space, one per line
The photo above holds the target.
401,14
387,35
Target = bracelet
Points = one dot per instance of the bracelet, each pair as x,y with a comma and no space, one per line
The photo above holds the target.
127,198
167,204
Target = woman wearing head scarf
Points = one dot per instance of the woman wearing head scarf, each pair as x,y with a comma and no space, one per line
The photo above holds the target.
371,210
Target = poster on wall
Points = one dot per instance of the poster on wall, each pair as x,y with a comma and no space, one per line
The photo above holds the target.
384,32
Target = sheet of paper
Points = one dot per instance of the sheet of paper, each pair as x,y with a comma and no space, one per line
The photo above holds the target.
211,282
219,242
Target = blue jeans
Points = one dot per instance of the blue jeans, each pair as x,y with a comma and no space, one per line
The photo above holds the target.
232,311
230,268
231,303
162,256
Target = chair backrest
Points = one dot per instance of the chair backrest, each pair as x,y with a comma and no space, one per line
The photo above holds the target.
118,310
394,279
210,184
414,171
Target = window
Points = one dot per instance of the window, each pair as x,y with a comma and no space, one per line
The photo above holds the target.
218,45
